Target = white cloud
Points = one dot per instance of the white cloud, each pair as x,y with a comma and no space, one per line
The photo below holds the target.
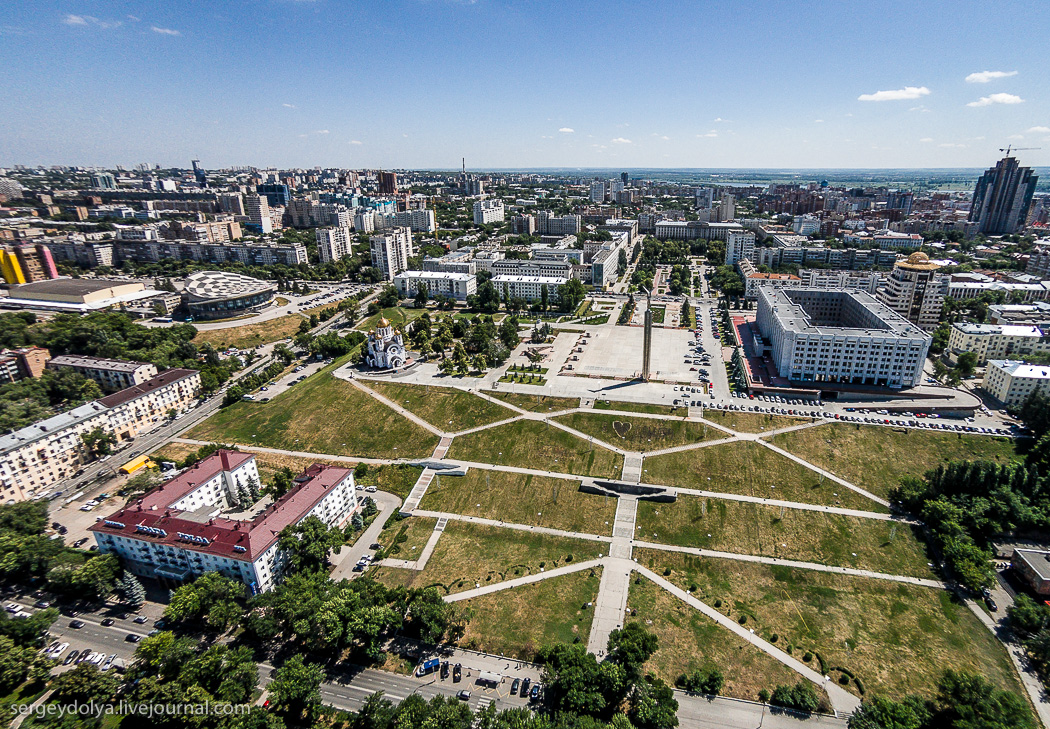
289,106
818,121
711,133
321,131
566,130
997,99
661,136
921,108
720,119
165,31
75,20
926,139
354,141
134,18
621,140
84,20
1016,136
983,77
1038,130
950,144
908,92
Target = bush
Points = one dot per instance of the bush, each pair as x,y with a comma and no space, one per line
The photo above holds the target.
718,603
743,619
844,680
763,696
703,681
568,558
774,638
800,697
807,657
667,571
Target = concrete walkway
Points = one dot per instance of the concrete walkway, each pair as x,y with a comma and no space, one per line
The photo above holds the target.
826,474
418,490
842,701
408,414
420,562
343,562
526,580
510,525
796,505
611,604
815,566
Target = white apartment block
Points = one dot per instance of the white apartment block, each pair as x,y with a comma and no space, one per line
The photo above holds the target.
420,221
529,288
139,408
257,209
333,243
1011,382
823,278
457,285
364,221
488,211
597,194
962,289
391,251
110,374
547,223
188,526
753,279
884,239
996,341
740,246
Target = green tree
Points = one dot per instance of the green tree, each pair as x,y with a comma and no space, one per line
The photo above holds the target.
295,692
631,646
966,364
308,544
800,697
422,296
652,705
131,590
211,600
84,684
571,294
544,297
98,442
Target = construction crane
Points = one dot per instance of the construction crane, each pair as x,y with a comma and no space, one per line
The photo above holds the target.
1016,149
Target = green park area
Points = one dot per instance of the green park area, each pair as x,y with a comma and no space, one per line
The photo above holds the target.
751,469
811,536
750,422
398,316
640,407
520,498
875,458
405,538
249,335
875,635
537,403
639,434
469,555
519,621
324,414
532,444
689,640
447,408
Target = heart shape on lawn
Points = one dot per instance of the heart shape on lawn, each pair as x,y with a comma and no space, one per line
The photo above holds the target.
621,428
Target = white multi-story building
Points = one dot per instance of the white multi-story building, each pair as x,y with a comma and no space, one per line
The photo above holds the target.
140,408
391,251
740,246
1011,382
419,220
232,202
488,211
962,288
915,290
824,278
558,268
257,209
597,191
806,224
529,288
333,243
364,221
457,285
884,239
848,337
996,341
110,374
753,279
547,223
189,525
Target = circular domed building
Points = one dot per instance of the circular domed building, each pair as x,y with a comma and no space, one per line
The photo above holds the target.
386,347
221,295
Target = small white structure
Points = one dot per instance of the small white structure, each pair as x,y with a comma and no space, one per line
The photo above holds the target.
386,347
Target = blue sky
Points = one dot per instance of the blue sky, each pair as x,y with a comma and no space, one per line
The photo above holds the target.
524,83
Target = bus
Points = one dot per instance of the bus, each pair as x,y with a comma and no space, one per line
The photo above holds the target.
135,464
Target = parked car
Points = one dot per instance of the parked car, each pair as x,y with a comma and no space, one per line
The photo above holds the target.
76,624
107,622
515,684
131,638
463,696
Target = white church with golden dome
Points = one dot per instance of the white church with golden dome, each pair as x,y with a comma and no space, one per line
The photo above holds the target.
386,347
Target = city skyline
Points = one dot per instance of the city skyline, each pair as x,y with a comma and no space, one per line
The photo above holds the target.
422,83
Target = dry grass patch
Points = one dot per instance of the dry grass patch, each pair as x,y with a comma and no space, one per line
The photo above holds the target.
876,458
446,408
751,469
536,403
751,422
476,554
639,434
405,538
521,499
247,336
770,531
532,444
640,407
520,621
896,638
689,640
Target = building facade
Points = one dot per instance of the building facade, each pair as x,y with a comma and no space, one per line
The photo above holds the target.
439,283
1002,197
1011,382
333,243
391,251
110,374
529,288
915,290
996,341
488,211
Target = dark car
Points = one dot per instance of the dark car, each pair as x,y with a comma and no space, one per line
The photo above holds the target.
71,657
457,672
159,624
444,669
141,619
76,624
463,696
514,686
991,604
107,622
535,694
131,638
375,545
525,687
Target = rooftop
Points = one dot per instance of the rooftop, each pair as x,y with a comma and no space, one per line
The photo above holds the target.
837,312
507,278
113,365
49,426
1023,370
69,286
1038,561
144,388
1009,330
435,274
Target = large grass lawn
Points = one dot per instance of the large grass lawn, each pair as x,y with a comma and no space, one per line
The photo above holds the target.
397,479
750,469
811,536
518,622
640,407
398,316
896,638
536,403
322,415
521,499
639,434
248,335
446,408
475,554
688,640
267,463
751,422
532,444
876,458
405,538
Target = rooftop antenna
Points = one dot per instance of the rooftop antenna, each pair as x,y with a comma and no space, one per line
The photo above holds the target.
1016,149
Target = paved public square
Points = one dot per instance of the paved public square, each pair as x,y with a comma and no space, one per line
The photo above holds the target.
616,352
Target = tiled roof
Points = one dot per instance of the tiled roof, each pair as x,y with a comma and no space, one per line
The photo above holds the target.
144,388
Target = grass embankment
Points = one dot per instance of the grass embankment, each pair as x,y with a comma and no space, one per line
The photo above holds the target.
400,317
446,408
751,422
537,403
639,434
640,407
405,538
521,499
876,458
896,638
770,531
247,336
531,444
751,469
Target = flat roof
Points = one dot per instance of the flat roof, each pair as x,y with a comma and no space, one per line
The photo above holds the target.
36,431
507,278
1009,330
1038,560
1023,370
144,388
69,286
787,308
435,274
99,363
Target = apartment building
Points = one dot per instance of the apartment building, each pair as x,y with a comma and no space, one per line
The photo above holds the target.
488,211
529,288
915,290
996,341
457,285
188,525
110,374
740,246
333,243
16,364
257,208
823,278
547,223
753,279
1011,382
391,251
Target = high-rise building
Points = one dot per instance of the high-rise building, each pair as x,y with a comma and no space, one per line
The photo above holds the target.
387,183
915,290
103,181
232,202
625,179
547,223
391,250
333,243
488,211
705,198
740,246
726,208
1002,197
597,191
275,194
258,211
199,174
